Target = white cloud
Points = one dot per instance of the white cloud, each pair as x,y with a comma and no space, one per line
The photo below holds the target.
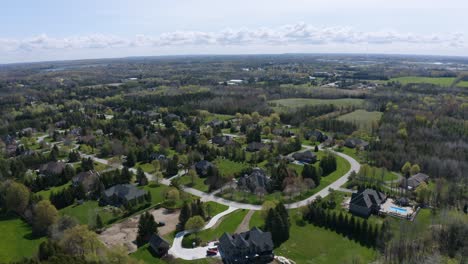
294,34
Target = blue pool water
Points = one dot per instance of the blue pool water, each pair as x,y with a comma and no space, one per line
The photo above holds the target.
398,210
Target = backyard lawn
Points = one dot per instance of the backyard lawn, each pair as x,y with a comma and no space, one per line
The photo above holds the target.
46,193
229,167
86,213
312,244
17,241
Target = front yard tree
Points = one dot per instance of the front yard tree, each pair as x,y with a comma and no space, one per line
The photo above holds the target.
193,176
146,227
131,159
195,223
17,197
45,214
310,172
141,177
185,214
406,169
415,169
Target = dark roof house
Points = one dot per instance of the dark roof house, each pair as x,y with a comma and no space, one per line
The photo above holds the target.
255,181
159,245
305,157
319,136
356,143
215,123
202,167
256,146
254,246
88,179
366,202
221,140
52,168
415,180
122,194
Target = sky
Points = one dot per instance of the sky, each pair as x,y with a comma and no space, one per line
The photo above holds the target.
49,30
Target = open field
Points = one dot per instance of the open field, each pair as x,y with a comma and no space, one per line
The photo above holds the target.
229,167
441,81
312,244
362,118
16,239
86,213
463,84
144,254
46,193
284,104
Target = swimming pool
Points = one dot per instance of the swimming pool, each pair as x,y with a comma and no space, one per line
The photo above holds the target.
398,210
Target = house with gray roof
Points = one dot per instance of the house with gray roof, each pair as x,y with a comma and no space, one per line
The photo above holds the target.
89,180
254,246
255,181
305,157
414,181
356,143
366,202
122,194
159,245
52,168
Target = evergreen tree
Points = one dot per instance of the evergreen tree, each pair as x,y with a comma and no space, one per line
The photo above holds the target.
99,223
131,159
146,227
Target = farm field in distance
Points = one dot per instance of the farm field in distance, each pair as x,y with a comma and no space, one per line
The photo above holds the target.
284,104
362,118
442,81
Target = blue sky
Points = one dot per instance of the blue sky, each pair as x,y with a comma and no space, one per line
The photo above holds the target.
54,30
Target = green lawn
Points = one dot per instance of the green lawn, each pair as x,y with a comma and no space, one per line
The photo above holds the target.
86,213
312,244
46,193
145,255
441,81
362,118
16,240
285,104
229,224
198,184
463,84
256,220
229,167
214,208
354,153
146,167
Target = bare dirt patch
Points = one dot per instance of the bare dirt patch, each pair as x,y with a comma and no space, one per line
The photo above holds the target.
125,233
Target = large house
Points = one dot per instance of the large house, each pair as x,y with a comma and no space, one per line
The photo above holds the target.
123,194
366,202
89,180
319,136
254,246
305,157
255,181
356,143
202,167
159,245
257,146
414,181
222,140
52,168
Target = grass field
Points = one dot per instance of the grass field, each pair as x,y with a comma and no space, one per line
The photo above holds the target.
145,255
229,167
357,155
146,167
228,224
441,81
86,213
16,240
311,244
256,220
46,193
362,118
463,84
285,104
198,184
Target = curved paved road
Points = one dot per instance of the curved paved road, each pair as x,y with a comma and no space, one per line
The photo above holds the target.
199,252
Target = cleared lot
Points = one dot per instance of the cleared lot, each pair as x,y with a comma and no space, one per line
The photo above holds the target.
125,233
